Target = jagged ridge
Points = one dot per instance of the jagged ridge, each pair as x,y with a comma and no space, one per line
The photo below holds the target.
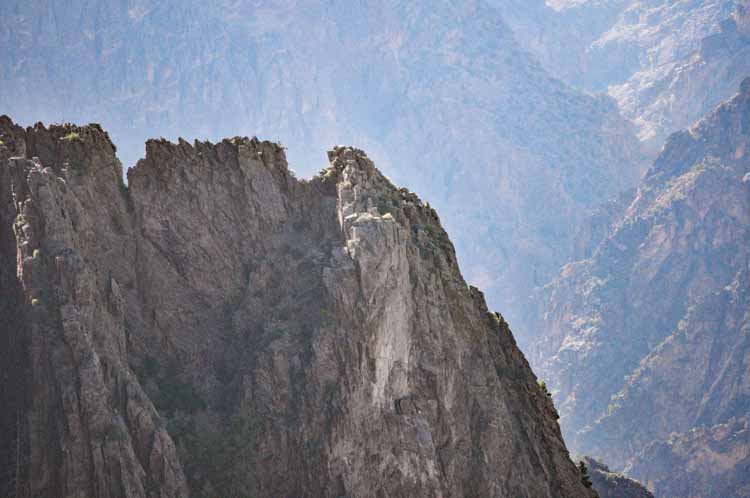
222,326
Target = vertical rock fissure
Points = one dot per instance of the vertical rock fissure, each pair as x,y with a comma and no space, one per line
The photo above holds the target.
14,356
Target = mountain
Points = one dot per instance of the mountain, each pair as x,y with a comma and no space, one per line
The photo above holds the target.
595,44
644,342
665,62
562,34
668,96
219,327
441,93
649,34
706,446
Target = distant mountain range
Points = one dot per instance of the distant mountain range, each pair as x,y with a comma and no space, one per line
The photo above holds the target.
667,63
556,139
645,342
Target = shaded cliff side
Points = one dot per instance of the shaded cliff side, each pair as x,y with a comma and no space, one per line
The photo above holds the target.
646,340
89,428
219,327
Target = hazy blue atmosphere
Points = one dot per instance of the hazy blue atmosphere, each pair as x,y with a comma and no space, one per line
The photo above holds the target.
588,159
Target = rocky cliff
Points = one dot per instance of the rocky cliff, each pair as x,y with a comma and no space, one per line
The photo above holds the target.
219,327
646,339
84,426
440,93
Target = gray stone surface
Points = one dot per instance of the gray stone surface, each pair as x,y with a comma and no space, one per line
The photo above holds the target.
223,327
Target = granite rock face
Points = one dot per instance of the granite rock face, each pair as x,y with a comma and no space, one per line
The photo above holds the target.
647,336
220,327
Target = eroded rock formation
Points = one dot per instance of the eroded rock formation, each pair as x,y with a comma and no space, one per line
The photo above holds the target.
221,328
440,93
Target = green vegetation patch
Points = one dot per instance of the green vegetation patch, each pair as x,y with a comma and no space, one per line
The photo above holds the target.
220,461
543,387
585,479
73,135
173,394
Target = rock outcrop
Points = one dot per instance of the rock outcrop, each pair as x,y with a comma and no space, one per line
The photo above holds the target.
221,328
648,337
610,484
85,425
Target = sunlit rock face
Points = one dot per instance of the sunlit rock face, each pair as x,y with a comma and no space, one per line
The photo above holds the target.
221,328
645,341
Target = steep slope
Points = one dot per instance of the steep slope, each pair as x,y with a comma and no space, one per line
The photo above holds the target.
594,44
709,431
561,34
297,338
713,339
648,336
14,388
649,34
439,92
